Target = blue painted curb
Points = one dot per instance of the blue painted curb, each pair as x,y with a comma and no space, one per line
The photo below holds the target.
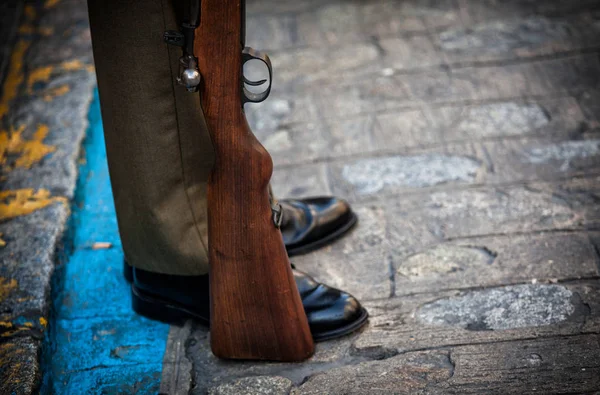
96,344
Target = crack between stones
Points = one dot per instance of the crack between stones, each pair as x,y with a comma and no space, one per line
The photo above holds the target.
475,187
528,99
448,348
502,341
392,277
567,280
476,64
597,252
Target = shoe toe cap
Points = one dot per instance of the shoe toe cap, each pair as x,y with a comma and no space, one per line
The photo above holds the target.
335,310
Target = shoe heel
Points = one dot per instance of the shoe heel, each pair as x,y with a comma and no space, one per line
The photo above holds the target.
155,309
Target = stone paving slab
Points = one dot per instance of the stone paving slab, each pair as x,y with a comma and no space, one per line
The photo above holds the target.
316,24
496,41
393,228
528,366
410,324
469,163
465,135
340,97
405,132
286,125
373,270
478,316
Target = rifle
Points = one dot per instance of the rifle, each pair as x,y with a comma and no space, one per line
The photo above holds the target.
256,310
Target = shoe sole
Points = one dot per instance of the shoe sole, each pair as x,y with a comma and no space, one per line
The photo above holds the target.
162,310
169,312
330,238
345,330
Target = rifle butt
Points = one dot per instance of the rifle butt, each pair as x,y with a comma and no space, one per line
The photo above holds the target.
256,310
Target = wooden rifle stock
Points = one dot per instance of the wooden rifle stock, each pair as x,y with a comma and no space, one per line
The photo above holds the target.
256,310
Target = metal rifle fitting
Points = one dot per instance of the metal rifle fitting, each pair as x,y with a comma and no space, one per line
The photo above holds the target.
189,75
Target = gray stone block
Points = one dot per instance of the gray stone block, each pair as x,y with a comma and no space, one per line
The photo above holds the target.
517,306
494,260
380,175
414,322
404,374
260,385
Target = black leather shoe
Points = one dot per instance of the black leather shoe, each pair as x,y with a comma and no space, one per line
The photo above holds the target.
331,313
308,224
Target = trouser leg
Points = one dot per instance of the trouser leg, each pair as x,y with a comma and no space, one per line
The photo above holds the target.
158,147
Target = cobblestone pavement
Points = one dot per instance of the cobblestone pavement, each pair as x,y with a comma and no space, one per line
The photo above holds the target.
464,132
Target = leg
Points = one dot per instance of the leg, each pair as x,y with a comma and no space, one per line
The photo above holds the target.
159,151
160,157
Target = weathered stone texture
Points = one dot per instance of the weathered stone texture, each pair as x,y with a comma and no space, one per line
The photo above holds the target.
517,306
49,108
19,365
493,260
260,385
411,373
465,134
557,365
415,322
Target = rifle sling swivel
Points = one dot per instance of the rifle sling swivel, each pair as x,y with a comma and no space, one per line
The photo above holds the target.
189,75
277,211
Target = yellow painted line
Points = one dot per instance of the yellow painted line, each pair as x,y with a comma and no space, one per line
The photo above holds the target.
27,29
27,152
75,65
45,30
16,329
71,65
41,74
15,75
6,287
14,78
34,150
30,12
50,3
50,94
25,201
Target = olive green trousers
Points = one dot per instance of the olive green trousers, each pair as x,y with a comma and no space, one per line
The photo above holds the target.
158,147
